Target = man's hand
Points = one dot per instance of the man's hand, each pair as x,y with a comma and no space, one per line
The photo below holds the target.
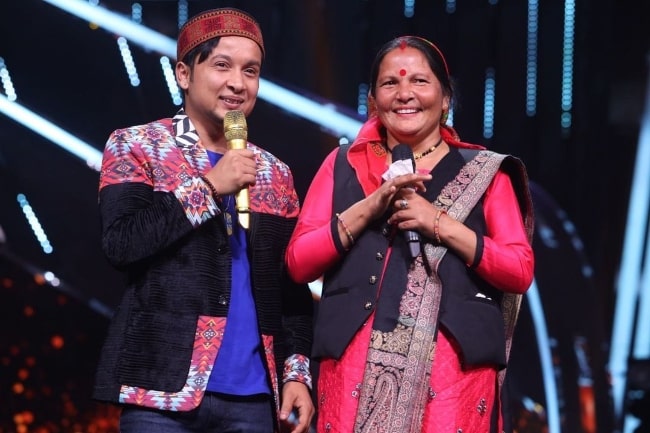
296,395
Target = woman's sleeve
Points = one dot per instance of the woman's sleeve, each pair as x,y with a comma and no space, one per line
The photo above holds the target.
311,250
507,260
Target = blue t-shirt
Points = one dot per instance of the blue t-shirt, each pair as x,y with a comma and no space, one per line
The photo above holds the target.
239,368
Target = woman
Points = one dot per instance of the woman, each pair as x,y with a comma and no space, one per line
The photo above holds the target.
414,344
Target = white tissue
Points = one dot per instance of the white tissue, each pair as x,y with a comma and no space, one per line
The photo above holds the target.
398,168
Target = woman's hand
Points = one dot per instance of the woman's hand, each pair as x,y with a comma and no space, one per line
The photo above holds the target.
413,212
354,219
380,200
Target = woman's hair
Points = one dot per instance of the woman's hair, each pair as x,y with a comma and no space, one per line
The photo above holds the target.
433,55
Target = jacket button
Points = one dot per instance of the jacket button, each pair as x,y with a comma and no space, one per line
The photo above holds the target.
379,256
368,305
372,279
222,300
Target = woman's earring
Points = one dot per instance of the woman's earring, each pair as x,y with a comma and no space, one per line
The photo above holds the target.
372,107
444,116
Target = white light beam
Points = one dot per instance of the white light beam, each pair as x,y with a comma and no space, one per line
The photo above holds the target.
322,114
52,132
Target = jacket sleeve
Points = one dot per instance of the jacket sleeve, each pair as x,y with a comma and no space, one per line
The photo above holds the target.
140,217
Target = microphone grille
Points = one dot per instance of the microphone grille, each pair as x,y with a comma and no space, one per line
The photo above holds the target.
234,125
403,152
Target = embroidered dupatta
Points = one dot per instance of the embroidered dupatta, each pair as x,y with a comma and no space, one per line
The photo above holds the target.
396,381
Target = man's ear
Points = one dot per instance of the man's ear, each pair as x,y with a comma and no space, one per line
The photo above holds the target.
183,75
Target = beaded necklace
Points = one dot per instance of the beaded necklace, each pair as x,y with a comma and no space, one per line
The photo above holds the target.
417,156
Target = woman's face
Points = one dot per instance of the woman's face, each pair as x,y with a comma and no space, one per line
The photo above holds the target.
409,98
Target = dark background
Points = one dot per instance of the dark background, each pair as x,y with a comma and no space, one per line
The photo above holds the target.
74,76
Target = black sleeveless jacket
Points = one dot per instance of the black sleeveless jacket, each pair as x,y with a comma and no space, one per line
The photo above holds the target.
350,289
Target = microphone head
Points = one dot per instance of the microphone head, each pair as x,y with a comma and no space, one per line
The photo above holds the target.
234,125
403,152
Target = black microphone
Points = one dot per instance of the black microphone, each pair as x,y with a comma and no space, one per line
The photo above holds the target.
403,152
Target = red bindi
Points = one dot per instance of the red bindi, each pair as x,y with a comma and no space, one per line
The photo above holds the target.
402,72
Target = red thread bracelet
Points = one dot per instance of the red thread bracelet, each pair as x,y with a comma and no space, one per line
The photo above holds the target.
436,225
345,227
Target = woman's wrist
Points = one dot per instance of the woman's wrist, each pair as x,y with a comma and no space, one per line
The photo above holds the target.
346,229
436,225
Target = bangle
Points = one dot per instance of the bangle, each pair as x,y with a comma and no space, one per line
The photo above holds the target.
345,227
213,190
436,225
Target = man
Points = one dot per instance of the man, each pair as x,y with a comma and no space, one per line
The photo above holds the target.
211,334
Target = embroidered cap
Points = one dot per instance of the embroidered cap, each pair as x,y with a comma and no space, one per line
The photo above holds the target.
215,23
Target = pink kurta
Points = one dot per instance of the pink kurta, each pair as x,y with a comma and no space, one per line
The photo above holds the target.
463,399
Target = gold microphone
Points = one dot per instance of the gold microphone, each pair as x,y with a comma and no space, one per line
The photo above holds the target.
236,132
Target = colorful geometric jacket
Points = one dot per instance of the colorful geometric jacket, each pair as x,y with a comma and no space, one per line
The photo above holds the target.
164,229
